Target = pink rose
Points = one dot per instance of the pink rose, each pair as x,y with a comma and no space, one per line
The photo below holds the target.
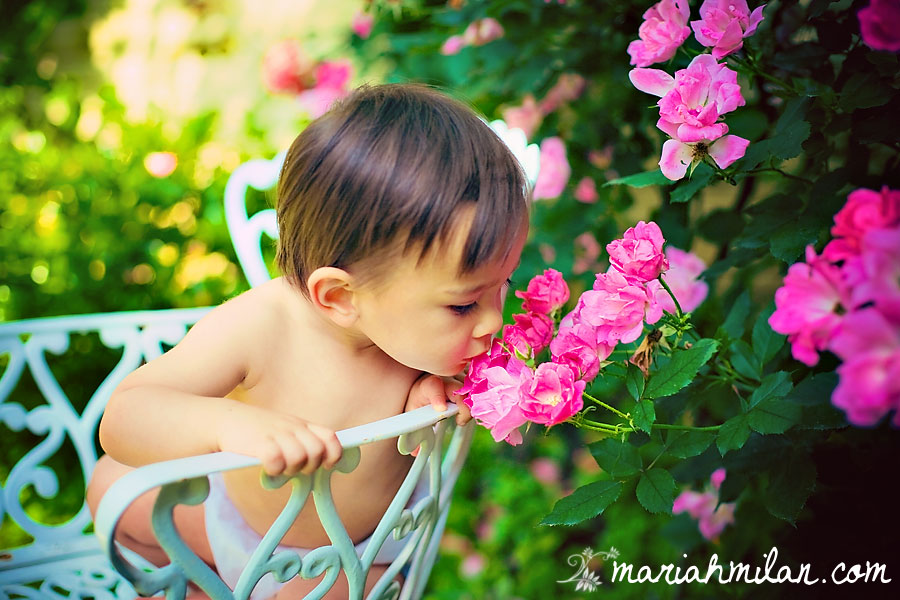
453,45
711,517
691,103
495,404
515,339
332,78
677,156
869,385
639,252
555,170
286,68
362,24
618,306
664,29
586,191
496,356
724,24
809,305
568,87
526,117
587,251
682,278
553,396
537,329
577,347
545,293
873,276
482,31
863,211
879,24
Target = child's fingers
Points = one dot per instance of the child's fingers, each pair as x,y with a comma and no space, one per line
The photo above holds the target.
432,388
464,415
333,448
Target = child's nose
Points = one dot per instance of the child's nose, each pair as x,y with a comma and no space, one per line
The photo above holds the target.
490,322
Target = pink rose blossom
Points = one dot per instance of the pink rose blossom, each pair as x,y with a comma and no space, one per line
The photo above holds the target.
496,356
704,507
724,24
587,251
863,211
691,103
586,191
332,78
482,31
869,385
287,69
576,345
526,117
554,394
808,306
517,342
873,276
639,252
682,278
879,25
568,87
664,29
453,45
618,307
537,329
545,293
495,400
160,164
362,24
677,156
555,170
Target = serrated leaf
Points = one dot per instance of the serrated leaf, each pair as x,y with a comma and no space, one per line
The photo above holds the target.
735,321
789,143
644,415
813,395
745,361
774,385
681,369
634,382
619,459
640,180
687,189
656,491
864,90
766,342
791,482
685,443
788,241
773,415
733,434
585,503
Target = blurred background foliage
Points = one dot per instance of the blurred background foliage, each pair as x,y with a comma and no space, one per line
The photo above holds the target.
94,91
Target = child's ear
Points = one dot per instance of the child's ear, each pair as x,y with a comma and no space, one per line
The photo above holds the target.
331,291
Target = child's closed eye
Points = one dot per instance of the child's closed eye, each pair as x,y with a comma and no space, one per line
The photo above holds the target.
462,309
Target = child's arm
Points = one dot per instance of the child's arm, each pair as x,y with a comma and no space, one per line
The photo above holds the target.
174,406
436,391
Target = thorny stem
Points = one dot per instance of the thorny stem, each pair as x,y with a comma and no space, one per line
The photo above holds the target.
616,429
607,406
674,299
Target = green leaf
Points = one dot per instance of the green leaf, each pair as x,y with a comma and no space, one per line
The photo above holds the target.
788,241
686,190
745,361
681,369
643,414
733,434
619,459
721,226
684,443
864,90
813,395
634,381
585,503
775,385
774,415
656,491
791,482
640,180
737,316
766,342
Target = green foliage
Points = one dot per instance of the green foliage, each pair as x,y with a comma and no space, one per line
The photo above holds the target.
681,369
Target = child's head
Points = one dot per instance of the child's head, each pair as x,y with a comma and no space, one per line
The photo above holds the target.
391,171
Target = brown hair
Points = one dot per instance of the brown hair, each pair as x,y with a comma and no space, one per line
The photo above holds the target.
392,162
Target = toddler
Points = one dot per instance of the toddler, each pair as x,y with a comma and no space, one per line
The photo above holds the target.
401,216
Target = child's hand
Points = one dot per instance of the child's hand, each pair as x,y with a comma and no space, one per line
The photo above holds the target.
436,391
285,444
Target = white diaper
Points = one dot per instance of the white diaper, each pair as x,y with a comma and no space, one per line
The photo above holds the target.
232,540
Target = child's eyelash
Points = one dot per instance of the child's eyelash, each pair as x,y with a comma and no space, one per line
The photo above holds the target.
462,309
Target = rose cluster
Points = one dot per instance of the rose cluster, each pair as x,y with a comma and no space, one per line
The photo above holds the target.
847,301
693,102
504,389
704,507
287,69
